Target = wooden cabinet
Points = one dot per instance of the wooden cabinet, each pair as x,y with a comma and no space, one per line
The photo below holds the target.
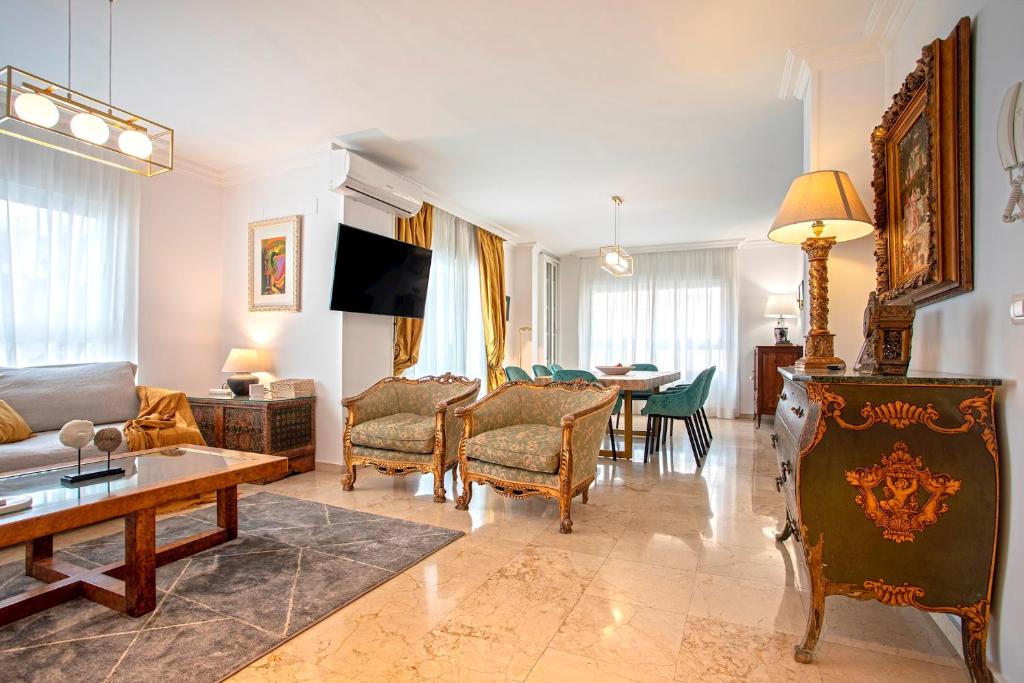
767,382
284,427
892,493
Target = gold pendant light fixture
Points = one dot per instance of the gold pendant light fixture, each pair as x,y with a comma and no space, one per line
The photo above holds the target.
614,259
46,113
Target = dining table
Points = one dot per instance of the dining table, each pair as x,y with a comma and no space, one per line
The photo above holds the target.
646,381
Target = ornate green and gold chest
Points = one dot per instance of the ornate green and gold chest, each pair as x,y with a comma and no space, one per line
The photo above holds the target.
892,489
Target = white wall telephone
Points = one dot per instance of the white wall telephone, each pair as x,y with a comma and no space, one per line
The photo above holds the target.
1010,132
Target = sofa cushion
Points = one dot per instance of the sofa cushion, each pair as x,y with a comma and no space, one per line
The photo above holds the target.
44,450
12,426
400,432
531,447
50,396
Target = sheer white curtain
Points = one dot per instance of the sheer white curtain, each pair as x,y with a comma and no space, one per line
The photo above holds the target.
68,258
453,323
677,311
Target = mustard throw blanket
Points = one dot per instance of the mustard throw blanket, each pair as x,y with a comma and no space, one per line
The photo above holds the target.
165,419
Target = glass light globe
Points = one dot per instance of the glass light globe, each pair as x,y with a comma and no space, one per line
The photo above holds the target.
135,143
90,128
611,258
36,109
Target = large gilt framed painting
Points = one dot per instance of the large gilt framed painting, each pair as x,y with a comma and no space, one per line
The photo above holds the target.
922,178
275,274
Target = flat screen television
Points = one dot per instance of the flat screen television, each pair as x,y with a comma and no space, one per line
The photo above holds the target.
380,275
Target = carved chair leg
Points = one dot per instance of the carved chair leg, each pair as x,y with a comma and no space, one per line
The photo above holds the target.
565,527
348,481
462,502
974,635
586,494
439,486
804,652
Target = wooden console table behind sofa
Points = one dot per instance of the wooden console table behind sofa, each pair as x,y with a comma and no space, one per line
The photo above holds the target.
284,427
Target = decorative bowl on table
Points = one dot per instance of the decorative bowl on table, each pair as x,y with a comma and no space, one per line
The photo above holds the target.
614,369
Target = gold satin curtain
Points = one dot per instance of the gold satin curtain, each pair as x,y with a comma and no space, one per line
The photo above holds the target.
491,252
417,230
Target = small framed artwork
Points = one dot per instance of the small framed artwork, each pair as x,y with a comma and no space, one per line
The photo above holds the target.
922,178
275,264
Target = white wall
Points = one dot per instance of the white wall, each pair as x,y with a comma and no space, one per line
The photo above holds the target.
303,344
519,350
569,312
842,107
180,259
763,269
368,340
972,333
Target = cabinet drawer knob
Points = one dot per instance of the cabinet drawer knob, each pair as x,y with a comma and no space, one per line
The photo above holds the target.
783,396
798,411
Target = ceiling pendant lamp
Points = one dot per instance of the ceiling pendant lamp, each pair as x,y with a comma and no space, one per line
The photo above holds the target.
38,110
614,259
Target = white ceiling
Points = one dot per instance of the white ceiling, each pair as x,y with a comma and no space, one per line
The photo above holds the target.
530,113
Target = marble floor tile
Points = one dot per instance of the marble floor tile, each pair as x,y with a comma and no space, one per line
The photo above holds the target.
643,639
844,664
755,604
642,584
556,666
671,573
717,651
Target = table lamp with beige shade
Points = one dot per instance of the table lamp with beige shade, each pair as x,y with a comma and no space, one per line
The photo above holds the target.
781,306
243,363
820,209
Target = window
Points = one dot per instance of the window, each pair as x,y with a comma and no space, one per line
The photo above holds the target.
68,258
550,309
453,323
678,311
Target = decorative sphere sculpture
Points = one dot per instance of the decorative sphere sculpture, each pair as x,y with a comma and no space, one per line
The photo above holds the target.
76,434
108,439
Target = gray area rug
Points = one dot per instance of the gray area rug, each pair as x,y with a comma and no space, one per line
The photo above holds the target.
294,563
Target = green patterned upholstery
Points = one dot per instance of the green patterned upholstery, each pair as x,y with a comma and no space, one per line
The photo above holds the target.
572,375
379,454
534,447
513,474
514,373
394,426
403,432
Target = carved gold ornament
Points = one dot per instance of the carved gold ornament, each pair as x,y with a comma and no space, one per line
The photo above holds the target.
903,477
976,412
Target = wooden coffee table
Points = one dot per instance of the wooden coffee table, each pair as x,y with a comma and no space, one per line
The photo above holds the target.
152,478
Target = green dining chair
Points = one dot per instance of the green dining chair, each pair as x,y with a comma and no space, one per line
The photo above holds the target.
569,376
541,370
702,417
685,405
514,373
555,367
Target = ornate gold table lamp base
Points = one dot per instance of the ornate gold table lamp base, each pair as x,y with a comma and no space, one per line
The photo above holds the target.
819,351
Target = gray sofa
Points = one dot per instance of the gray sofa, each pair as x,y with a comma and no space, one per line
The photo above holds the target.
50,396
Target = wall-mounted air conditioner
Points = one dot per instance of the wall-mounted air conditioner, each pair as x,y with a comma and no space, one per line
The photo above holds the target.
368,183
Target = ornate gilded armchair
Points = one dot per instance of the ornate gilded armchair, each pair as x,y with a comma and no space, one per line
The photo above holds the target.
529,440
402,425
